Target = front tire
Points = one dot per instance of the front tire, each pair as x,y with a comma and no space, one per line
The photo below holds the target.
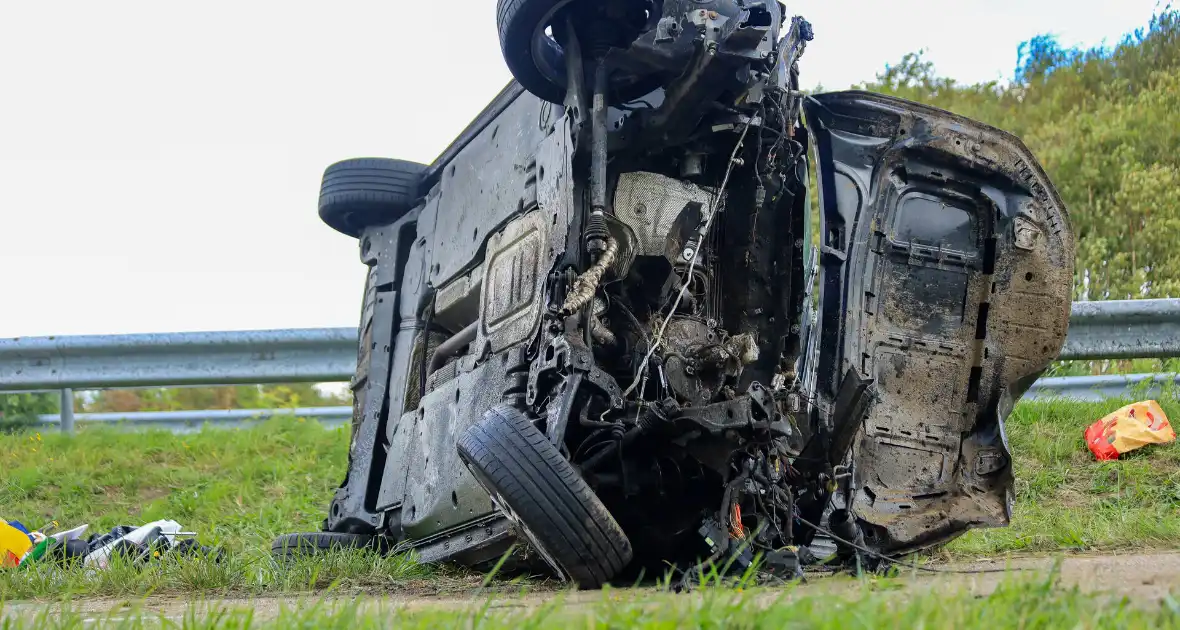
537,488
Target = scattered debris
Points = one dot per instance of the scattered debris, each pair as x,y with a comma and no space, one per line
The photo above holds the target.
1129,428
20,547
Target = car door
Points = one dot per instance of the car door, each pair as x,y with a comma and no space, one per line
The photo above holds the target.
946,272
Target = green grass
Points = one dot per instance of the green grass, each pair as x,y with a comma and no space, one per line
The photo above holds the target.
868,604
246,572
1067,500
238,489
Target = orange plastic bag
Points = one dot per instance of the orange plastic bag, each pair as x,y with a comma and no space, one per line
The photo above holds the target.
1129,428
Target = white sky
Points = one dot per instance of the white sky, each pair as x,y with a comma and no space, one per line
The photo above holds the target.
160,161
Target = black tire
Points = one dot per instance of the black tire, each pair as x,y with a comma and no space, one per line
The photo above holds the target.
537,488
541,69
290,546
363,192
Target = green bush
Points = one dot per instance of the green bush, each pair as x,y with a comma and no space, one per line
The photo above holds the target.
18,412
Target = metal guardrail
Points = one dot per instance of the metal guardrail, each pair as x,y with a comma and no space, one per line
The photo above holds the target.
1098,330
213,358
1099,388
1126,329
1080,388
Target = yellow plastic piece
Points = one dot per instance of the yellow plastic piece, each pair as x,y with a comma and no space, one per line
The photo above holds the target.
14,544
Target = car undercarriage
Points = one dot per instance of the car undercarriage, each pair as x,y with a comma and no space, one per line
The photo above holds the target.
603,329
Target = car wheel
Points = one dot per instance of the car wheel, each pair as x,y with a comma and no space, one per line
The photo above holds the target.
289,546
364,192
548,501
537,61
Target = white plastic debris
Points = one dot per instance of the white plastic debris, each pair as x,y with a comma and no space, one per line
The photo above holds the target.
100,558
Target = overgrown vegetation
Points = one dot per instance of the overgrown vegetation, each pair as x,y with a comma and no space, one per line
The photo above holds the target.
240,488
245,572
20,411
1028,604
286,396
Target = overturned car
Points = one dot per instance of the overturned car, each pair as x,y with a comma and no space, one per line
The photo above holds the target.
603,327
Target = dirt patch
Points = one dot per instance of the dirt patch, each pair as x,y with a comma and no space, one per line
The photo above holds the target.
1139,577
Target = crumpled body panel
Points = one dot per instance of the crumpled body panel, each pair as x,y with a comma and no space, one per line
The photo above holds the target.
946,270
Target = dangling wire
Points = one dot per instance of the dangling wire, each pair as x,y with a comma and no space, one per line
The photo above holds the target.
641,373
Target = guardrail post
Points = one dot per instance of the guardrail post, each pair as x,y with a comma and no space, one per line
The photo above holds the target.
67,411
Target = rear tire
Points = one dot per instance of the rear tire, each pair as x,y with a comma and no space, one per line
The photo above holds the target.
538,489
364,192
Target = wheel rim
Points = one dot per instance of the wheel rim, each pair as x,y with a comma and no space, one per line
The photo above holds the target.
502,505
519,525
547,55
